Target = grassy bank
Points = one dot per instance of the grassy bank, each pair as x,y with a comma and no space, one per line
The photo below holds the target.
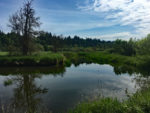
138,103
37,59
96,57
104,58
67,58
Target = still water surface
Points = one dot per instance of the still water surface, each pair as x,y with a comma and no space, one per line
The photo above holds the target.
58,90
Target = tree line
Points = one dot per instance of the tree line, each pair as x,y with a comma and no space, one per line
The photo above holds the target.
47,41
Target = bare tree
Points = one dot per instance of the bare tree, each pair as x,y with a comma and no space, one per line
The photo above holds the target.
24,23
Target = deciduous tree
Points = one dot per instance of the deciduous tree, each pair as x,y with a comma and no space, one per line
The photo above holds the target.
24,23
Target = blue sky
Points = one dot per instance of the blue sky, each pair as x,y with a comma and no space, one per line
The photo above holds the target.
105,19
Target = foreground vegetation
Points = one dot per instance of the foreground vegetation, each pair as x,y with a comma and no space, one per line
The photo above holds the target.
138,103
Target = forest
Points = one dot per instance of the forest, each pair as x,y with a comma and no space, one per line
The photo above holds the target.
45,41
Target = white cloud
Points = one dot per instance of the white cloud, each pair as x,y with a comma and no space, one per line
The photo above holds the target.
69,21
114,36
126,12
67,27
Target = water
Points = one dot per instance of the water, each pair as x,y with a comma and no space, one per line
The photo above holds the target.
60,89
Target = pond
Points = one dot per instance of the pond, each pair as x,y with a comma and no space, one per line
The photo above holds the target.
59,89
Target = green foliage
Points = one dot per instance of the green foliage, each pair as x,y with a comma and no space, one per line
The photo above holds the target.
125,47
97,57
47,42
9,42
106,105
143,46
138,103
4,53
8,82
60,42
38,59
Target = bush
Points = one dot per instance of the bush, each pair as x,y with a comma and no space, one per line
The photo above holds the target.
138,103
106,105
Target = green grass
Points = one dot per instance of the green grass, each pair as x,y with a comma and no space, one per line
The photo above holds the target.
106,105
67,58
47,58
4,53
99,57
138,103
37,59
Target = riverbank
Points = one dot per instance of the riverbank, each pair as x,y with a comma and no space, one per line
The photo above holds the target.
138,103
67,58
37,59
130,64
102,57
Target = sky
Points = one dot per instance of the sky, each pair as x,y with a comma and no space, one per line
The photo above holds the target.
102,19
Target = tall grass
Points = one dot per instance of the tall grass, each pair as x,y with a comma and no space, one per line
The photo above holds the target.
138,103
67,58
99,57
37,59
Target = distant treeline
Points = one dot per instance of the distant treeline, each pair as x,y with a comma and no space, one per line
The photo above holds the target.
48,39
45,41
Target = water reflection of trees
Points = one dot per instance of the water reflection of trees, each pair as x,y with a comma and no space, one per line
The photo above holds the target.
26,93
55,70
142,75
122,69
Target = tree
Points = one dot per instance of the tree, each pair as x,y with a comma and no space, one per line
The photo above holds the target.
24,23
143,46
125,47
